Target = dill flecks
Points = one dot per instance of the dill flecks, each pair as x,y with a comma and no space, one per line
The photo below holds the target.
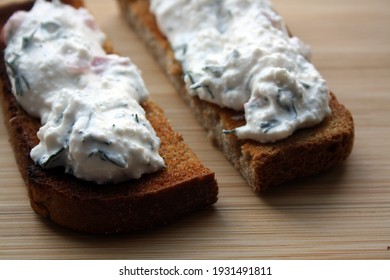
305,85
268,125
90,138
27,41
190,76
215,70
248,83
197,85
19,79
287,106
104,156
48,163
206,87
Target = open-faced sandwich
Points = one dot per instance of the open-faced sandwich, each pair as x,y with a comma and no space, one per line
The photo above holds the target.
250,83
97,155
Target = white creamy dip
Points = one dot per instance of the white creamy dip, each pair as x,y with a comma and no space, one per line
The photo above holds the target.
238,54
88,101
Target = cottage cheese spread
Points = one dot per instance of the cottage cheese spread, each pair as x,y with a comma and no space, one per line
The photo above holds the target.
88,101
238,54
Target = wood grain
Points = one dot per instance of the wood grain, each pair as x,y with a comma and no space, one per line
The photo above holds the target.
341,214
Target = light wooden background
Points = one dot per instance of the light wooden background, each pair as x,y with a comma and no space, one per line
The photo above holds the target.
341,214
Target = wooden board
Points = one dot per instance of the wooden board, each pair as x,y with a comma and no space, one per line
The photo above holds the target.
341,214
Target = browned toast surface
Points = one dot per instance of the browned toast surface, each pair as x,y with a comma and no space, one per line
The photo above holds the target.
184,186
307,152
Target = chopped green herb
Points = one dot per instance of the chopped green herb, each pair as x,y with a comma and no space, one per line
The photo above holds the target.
19,79
217,71
266,126
136,118
290,106
58,120
200,85
248,83
89,120
151,146
90,138
104,156
305,85
49,162
27,41
190,76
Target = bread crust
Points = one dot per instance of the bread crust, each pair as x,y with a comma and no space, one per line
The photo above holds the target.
307,152
183,187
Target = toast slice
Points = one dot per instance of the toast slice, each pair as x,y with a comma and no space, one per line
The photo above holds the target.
183,187
307,152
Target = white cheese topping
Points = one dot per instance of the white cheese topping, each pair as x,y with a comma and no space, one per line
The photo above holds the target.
88,101
238,54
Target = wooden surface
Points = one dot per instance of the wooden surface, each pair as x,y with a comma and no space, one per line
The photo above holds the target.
341,214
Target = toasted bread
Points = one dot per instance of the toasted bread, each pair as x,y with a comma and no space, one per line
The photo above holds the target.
184,186
307,152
